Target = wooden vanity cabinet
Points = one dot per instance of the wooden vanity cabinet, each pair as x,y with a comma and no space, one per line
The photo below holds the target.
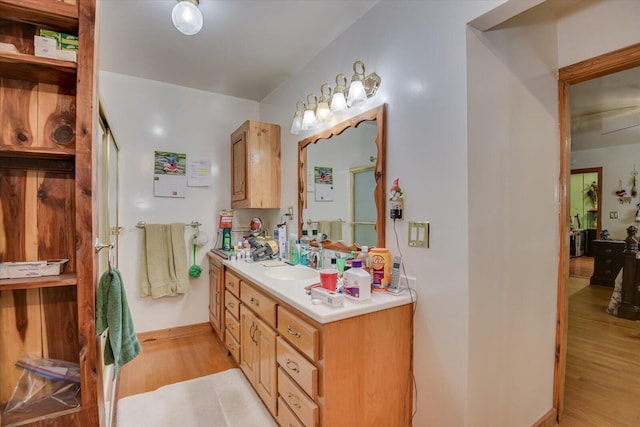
48,120
216,290
255,166
258,341
354,371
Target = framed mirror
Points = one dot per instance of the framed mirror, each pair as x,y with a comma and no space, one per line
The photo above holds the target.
341,182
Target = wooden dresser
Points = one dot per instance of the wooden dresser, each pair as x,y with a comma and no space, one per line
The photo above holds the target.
608,260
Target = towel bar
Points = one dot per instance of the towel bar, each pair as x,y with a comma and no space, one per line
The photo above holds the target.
141,224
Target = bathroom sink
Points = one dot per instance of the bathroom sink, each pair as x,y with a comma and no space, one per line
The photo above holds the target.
290,272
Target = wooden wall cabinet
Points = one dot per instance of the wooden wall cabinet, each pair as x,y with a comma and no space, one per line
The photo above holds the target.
255,166
48,120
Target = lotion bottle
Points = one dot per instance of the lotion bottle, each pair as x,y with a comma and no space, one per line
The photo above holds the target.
357,282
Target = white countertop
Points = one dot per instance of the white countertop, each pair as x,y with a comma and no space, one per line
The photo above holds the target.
293,293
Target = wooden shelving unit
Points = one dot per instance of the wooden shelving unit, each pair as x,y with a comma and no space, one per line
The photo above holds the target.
47,126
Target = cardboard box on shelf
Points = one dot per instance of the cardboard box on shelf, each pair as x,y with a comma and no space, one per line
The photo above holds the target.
17,270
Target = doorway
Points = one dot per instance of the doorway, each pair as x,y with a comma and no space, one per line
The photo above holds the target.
596,67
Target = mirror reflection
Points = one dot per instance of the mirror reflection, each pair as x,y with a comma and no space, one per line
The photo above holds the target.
341,183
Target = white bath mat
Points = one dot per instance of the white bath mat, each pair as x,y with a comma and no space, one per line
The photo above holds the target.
225,399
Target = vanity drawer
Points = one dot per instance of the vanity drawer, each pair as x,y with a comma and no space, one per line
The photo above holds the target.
259,303
286,417
302,335
233,346
232,325
232,304
298,367
232,283
296,399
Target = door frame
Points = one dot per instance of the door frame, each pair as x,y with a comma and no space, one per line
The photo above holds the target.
602,65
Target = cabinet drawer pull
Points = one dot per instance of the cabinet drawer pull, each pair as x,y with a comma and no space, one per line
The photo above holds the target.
255,302
292,332
230,347
608,261
293,402
608,251
231,326
231,304
292,366
231,284
217,297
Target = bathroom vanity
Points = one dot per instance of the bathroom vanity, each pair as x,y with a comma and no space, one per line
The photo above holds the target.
315,365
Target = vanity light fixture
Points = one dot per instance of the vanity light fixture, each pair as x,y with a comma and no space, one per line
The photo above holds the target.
323,113
339,99
357,95
309,120
186,17
319,112
296,126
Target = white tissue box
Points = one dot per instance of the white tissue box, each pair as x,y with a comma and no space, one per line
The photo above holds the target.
17,270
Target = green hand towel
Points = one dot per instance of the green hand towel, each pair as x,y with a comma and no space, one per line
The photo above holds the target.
112,311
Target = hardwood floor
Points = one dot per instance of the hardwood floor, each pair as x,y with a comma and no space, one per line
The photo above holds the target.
602,383
167,361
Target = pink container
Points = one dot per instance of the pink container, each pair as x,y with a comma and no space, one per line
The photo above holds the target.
329,279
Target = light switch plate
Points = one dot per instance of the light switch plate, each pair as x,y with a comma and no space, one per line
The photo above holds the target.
419,234
613,214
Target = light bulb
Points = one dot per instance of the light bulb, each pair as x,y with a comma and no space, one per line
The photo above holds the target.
186,17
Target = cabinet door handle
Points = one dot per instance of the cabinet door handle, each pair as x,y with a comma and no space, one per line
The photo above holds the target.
293,400
292,366
292,332
255,302
217,297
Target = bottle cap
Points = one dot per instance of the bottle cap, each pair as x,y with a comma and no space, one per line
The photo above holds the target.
356,263
365,248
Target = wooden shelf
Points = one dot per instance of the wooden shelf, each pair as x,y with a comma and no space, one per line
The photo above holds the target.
38,282
55,15
21,66
36,152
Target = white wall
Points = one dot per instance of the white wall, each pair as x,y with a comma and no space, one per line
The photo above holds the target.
145,116
418,48
617,163
513,199
513,220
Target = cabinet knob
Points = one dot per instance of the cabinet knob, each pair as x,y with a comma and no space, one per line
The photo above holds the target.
292,366
292,332
293,400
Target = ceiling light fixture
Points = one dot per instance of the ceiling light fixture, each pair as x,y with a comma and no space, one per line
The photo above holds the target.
186,17
319,112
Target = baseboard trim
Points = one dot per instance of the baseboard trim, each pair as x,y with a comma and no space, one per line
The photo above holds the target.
550,419
177,332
